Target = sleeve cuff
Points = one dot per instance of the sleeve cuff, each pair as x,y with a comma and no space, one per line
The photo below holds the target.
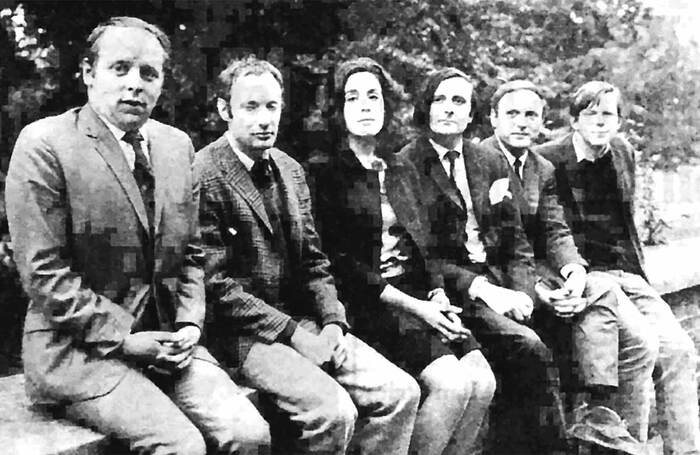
343,326
285,336
477,287
570,268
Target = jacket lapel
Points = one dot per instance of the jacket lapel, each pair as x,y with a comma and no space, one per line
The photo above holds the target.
476,176
163,171
108,147
434,169
290,207
568,164
402,199
530,199
239,178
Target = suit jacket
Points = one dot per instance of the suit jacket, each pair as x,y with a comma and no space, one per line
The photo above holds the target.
242,266
77,222
350,221
509,257
542,214
562,155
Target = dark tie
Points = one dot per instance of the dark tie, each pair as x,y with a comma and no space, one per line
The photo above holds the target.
143,174
517,165
452,156
261,173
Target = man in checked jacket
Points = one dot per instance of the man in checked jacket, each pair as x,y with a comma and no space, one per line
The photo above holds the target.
274,308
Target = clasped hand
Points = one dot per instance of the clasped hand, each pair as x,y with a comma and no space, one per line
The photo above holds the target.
327,350
164,352
441,315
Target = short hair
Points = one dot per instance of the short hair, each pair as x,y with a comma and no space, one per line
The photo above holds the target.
390,89
238,68
589,95
92,47
421,112
514,86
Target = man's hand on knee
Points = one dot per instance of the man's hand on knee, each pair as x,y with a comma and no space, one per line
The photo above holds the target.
314,347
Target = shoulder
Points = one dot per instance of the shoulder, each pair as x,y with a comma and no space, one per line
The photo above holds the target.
284,161
410,151
543,164
47,129
556,149
204,160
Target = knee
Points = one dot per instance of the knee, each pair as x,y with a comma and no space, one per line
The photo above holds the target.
338,414
482,379
253,434
679,349
402,391
448,381
187,442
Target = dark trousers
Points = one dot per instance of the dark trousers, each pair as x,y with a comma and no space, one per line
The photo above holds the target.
527,417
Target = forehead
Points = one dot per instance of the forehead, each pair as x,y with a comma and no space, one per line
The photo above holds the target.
362,81
455,86
605,101
130,43
522,100
256,86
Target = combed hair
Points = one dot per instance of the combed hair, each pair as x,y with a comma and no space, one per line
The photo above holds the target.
243,67
421,112
589,95
513,86
92,47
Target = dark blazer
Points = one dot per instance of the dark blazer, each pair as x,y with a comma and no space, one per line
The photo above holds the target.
542,214
77,222
509,256
348,204
562,155
242,267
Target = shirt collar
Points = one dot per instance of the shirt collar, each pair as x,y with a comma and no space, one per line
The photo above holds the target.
583,151
247,161
442,151
509,156
118,133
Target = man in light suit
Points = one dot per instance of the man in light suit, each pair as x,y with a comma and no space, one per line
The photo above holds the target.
479,244
102,209
276,315
595,176
580,317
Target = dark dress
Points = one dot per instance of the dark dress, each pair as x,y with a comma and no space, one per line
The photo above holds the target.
349,216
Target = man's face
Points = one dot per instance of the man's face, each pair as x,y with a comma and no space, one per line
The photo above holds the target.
599,122
126,78
450,110
518,118
363,109
254,111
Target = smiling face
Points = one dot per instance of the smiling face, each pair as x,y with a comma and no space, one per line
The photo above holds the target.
517,119
254,111
450,110
125,79
363,108
599,122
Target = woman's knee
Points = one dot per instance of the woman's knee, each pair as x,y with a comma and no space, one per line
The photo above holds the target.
447,378
483,381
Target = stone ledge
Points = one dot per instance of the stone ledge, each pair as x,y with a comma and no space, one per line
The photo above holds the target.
674,266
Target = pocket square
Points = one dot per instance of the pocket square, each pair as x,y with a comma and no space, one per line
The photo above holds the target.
232,231
499,191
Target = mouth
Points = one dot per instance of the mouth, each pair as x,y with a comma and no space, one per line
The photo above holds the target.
134,104
366,120
263,135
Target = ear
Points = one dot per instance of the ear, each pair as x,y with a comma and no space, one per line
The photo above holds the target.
224,109
87,72
494,119
574,123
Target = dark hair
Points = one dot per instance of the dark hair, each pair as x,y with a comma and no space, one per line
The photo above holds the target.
390,90
514,86
421,113
589,95
243,67
92,47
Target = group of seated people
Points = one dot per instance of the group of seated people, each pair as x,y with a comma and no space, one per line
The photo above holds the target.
381,314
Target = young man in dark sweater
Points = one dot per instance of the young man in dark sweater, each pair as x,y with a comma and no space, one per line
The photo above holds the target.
594,169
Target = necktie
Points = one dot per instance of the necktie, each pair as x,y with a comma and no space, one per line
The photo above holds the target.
517,165
261,173
143,174
452,156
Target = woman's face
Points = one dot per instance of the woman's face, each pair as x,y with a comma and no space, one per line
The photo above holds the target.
363,109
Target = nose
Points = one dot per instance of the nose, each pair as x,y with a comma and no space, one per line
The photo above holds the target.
133,80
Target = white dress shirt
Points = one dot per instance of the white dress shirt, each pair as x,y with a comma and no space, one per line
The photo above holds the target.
127,149
475,249
511,158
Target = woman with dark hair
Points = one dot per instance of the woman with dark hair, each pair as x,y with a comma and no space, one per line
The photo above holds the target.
374,228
